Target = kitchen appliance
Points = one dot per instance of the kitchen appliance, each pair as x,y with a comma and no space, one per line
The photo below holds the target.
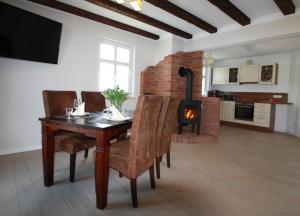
244,111
215,93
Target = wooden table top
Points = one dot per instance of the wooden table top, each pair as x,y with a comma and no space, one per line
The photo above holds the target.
94,121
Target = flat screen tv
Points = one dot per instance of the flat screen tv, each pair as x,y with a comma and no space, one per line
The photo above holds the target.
27,36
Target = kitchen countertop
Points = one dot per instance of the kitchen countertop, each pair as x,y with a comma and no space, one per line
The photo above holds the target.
274,102
266,101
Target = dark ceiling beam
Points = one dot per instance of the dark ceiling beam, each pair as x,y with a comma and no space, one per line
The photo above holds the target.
183,14
231,10
113,6
95,17
286,6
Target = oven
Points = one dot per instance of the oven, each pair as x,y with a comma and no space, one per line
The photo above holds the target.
244,111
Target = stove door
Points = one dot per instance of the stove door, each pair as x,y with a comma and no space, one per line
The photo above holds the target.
244,111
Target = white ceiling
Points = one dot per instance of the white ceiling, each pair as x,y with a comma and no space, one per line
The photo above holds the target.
255,9
275,46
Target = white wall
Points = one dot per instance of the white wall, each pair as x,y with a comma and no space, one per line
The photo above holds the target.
298,103
288,25
167,47
293,117
283,86
22,82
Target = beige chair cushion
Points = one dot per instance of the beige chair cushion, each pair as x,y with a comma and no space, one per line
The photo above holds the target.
72,143
55,103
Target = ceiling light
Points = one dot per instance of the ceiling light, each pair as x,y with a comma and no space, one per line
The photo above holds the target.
208,60
121,1
136,4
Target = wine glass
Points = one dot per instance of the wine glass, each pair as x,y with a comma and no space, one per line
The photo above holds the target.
69,112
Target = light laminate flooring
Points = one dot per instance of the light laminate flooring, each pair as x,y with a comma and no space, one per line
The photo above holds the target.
248,173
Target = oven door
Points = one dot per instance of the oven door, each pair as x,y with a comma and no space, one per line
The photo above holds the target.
244,111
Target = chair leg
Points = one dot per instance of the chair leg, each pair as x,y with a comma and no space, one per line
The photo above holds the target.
157,161
133,192
120,174
152,176
168,159
72,167
86,153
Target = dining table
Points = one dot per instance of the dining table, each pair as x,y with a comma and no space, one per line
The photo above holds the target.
94,126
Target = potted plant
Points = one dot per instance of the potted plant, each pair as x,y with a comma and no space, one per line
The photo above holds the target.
116,96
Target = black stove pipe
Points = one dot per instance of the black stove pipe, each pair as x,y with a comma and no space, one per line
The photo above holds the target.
189,81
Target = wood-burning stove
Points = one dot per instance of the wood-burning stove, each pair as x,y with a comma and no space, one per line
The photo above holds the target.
189,111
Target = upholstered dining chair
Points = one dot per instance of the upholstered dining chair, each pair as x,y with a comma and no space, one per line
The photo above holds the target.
55,103
166,125
133,156
94,101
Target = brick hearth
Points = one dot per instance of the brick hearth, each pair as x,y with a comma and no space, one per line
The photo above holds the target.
163,79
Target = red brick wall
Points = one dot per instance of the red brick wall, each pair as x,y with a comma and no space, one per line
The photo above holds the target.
210,117
193,61
163,79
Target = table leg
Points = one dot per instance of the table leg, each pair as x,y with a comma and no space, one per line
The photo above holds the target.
102,169
48,154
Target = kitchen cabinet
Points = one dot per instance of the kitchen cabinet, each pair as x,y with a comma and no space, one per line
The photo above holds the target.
268,74
262,114
228,111
263,118
249,73
246,74
233,75
219,75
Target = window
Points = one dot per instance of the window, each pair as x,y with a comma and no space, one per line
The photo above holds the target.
204,81
116,63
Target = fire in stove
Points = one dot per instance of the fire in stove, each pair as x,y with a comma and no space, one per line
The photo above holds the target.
189,113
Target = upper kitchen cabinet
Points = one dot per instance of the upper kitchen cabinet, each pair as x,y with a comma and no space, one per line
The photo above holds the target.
268,74
233,75
249,73
219,75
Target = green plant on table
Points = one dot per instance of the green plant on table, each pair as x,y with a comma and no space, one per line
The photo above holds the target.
116,96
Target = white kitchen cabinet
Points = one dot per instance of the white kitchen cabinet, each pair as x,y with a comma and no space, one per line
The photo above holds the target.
262,114
219,75
249,73
268,74
233,75
228,111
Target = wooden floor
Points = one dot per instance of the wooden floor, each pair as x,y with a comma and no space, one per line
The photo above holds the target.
247,173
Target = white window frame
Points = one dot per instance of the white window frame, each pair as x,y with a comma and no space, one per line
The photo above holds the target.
204,77
207,77
117,44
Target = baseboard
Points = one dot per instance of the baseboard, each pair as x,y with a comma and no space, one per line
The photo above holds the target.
18,150
252,127
291,132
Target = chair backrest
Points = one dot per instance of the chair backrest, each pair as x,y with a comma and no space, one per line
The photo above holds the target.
166,125
94,101
142,140
56,102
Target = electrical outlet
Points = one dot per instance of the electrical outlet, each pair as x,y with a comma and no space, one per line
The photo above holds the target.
277,96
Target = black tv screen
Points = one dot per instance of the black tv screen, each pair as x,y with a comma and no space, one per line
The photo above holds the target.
27,36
